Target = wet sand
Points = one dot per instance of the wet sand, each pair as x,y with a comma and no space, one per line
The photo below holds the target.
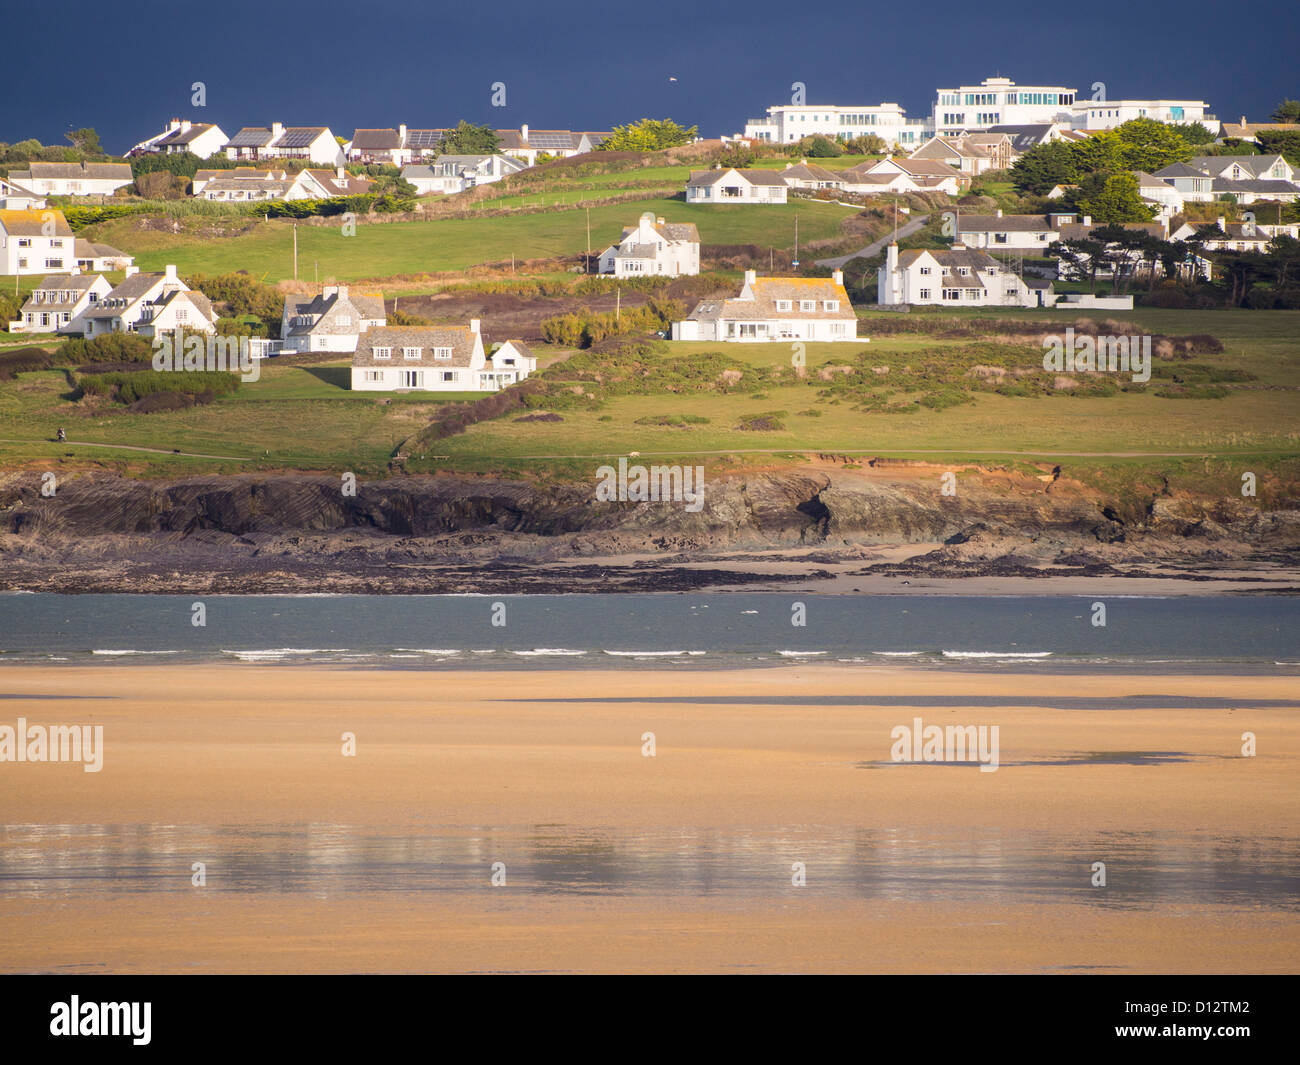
620,862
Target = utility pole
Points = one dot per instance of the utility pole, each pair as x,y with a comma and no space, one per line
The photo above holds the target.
795,262
295,251
618,304
586,269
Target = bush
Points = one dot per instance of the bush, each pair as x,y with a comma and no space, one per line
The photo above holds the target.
131,387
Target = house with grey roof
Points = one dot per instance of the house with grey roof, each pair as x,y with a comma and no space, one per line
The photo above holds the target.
957,277
332,320
1009,232
653,247
248,184
437,358
74,179
203,139
277,141
528,144
15,197
97,258
56,304
803,175
731,185
450,174
1193,184
775,309
1024,137
145,304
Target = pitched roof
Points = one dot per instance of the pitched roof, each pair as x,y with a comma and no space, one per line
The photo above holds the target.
972,258
31,223
351,184
1174,170
1007,223
96,171
87,250
811,172
66,282
376,140
133,288
320,306
185,136
1079,231
197,299
754,177
1024,137
251,137
395,337
299,136
1249,129
767,290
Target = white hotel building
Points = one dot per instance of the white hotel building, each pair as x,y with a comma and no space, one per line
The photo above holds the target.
787,123
993,102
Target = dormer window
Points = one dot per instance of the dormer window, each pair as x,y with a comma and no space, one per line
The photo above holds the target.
830,305
383,353
964,271
442,353
411,353
807,305
782,305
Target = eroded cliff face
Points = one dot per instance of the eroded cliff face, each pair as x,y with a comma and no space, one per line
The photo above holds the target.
267,532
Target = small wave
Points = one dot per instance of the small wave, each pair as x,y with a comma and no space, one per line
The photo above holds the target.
134,652
898,654
275,654
997,654
430,650
800,654
749,611
549,652
653,654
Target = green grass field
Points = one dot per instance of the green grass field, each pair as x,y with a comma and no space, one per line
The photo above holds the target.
304,417
405,248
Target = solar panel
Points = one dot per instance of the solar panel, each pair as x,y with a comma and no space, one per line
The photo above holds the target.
299,137
550,140
424,138
252,137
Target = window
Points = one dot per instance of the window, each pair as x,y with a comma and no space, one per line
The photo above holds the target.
925,271
55,242
54,264
449,376
925,294
442,353
837,329
410,353
374,375
24,242
782,305
412,379
383,353
999,238
807,305
952,293
830,305
964,271
182,314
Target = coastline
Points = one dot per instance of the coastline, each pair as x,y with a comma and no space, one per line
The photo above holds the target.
242,767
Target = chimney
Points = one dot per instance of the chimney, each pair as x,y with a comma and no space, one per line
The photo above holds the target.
131,271
277,130
837,276
523,134
999,212
659,221
401,132
342,290
473,325
169,272
185,125
175,123
1087,220
339,175
750,277
1243,120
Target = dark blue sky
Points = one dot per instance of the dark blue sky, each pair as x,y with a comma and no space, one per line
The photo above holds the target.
575,64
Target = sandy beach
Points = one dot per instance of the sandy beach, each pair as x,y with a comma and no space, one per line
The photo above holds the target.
615,861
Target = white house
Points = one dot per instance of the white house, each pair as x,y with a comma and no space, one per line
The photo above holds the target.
143,300
925,174
277,141
450,174
810,176
1160,192
527,144
1248,131
1191,184
440,358
173,309
730,185
387,145
333,320
971,153
56,304
653,246
775,308
959,277
203,139
74,179
244,184
1013,232
861,181
36,242
95,258
14,197
1239,236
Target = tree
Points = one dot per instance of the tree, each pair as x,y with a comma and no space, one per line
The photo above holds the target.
1044,167
1080,258
1286,111
1283,142
867,144
468,139
85,140
737,154
1117,201
647,135
1195,133
816,147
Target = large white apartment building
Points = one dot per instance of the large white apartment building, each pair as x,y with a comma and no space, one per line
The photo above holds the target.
995,101
786,124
